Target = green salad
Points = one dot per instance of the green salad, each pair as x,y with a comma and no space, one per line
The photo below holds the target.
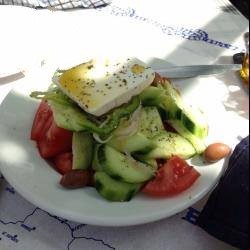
121,147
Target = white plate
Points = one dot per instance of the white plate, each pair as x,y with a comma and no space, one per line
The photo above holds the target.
36,181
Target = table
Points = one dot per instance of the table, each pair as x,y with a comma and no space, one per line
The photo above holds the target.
208,31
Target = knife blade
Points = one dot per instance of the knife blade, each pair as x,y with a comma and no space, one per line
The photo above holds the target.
197,70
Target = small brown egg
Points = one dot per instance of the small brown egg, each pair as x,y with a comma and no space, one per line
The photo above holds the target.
216,152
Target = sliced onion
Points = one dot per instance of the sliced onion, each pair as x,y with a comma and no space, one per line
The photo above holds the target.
131,129
128,131
133,126
104,123
98,139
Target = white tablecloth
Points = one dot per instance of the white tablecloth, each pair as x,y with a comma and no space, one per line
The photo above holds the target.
207,31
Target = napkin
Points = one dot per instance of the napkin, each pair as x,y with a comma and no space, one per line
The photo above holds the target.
57,4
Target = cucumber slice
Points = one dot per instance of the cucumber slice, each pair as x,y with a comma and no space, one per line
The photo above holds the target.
150,122
151,96
197,142
72,118
169,144
123,167
191,118
82,149
149,161
194,120
114,190
150,125
131,144
172,104
95,163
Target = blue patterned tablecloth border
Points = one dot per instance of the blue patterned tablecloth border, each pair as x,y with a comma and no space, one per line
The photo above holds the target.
192,34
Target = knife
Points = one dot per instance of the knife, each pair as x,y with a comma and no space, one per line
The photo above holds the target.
197,70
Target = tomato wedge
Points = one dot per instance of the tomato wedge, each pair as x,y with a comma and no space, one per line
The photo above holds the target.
55,141
42,121
172,178
63,162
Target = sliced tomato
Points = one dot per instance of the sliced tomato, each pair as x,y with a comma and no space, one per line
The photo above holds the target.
55,141
41,121
172,178
63,162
